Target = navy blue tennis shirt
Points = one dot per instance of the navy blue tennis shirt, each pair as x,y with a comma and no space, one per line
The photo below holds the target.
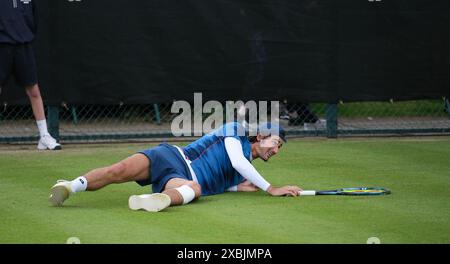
17,21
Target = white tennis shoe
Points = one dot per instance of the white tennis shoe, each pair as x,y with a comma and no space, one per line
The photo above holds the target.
154,202
60,192
48,142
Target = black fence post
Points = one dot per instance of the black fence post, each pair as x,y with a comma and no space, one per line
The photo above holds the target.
447,107
53,121
157,114
331,114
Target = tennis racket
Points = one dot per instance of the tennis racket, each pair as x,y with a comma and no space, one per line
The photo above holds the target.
349,191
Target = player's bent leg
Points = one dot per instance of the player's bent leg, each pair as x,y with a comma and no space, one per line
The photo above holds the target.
134,168
177,191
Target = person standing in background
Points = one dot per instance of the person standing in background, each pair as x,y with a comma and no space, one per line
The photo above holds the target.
17,32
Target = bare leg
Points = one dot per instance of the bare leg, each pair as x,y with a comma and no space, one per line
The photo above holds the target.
36,102
134,168
46,141
175,196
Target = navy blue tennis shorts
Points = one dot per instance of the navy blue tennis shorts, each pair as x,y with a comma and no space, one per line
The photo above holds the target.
165,163
18,60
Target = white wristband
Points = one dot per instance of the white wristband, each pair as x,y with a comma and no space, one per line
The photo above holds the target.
187,193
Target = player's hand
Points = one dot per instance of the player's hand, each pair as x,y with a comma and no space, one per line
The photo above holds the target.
288,190
247,186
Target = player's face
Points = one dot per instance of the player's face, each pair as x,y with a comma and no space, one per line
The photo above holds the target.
269,147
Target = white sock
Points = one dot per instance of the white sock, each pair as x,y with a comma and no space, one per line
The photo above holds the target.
42,126
79,184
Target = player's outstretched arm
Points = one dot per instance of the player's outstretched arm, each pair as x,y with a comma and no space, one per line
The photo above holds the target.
234,150
242,165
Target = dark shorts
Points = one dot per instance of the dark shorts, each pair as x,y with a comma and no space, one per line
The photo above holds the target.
165,163
18,60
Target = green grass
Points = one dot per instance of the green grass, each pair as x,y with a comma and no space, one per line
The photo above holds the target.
416,170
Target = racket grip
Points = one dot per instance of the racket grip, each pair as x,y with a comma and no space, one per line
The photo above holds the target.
305,193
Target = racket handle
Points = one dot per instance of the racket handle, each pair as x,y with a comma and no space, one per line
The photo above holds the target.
304,193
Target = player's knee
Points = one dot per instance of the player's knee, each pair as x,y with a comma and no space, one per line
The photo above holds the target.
33,92
118,172
196,187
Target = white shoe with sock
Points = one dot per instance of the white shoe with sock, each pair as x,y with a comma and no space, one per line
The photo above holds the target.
60,192
63,189
48,142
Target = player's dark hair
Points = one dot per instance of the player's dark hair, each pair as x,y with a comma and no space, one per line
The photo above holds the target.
252,139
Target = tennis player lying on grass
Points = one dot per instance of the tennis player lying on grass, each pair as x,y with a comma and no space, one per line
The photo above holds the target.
213,164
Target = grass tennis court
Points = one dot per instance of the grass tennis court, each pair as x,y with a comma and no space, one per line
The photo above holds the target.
416,170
